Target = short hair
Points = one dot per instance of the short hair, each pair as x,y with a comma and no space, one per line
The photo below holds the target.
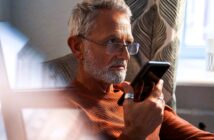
82,18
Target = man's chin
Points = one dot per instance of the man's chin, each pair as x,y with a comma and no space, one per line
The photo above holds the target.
110,77
116,79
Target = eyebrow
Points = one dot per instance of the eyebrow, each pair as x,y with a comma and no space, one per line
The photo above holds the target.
117,35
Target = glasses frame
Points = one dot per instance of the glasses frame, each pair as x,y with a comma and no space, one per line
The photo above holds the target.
117,47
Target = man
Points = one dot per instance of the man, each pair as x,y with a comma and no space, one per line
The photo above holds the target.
102,42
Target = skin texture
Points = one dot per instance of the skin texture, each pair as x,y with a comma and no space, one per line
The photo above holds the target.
141,118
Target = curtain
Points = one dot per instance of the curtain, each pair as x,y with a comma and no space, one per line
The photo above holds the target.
156,26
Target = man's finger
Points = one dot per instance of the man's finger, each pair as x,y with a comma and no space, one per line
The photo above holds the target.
157,90
161,98
160,84
124,86
128,98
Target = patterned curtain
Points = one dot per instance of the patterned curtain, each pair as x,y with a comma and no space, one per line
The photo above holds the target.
156,26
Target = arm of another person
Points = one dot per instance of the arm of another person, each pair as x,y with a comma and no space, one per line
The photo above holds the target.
176,128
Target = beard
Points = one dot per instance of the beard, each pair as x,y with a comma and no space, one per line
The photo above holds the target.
103,73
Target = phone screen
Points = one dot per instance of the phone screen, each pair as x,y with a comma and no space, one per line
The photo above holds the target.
149,75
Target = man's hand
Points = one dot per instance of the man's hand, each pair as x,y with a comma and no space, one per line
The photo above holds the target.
142,118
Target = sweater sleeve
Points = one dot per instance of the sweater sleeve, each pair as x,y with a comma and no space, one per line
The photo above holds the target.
175,128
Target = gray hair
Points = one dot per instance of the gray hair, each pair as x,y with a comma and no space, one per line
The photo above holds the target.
83,14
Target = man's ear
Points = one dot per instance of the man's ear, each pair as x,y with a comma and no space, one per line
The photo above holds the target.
74,44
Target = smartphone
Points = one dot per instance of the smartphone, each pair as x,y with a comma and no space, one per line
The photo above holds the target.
148,76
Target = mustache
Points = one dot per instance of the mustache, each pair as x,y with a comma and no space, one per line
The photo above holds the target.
118,62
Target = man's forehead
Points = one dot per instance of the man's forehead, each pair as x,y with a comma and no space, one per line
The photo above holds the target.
121,24
111,17
112,21
118,30
123,30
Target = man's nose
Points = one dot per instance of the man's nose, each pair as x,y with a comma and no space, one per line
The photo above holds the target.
124,53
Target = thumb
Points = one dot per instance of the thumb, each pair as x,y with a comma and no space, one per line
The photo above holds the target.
124,86
157,89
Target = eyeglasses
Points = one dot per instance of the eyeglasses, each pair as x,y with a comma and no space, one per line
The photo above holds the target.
115,47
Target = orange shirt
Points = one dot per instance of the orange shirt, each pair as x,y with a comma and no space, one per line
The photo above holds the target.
104,117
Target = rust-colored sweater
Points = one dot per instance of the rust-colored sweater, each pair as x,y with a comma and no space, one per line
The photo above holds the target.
105,118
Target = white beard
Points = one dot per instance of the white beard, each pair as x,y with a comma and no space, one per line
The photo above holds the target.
103,74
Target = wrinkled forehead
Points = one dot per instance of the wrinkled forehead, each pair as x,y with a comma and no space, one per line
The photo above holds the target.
112,22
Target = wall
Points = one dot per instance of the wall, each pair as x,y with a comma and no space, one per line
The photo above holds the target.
195,104
4,10
45,23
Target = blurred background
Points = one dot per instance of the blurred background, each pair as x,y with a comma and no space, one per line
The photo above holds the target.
33,32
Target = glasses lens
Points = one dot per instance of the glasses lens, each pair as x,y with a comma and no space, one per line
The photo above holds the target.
133,48
118,47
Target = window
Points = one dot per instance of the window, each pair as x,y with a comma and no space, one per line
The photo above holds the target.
197,29
196,56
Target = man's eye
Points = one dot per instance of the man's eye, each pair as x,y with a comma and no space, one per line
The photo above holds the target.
117,41
128,42
113,41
